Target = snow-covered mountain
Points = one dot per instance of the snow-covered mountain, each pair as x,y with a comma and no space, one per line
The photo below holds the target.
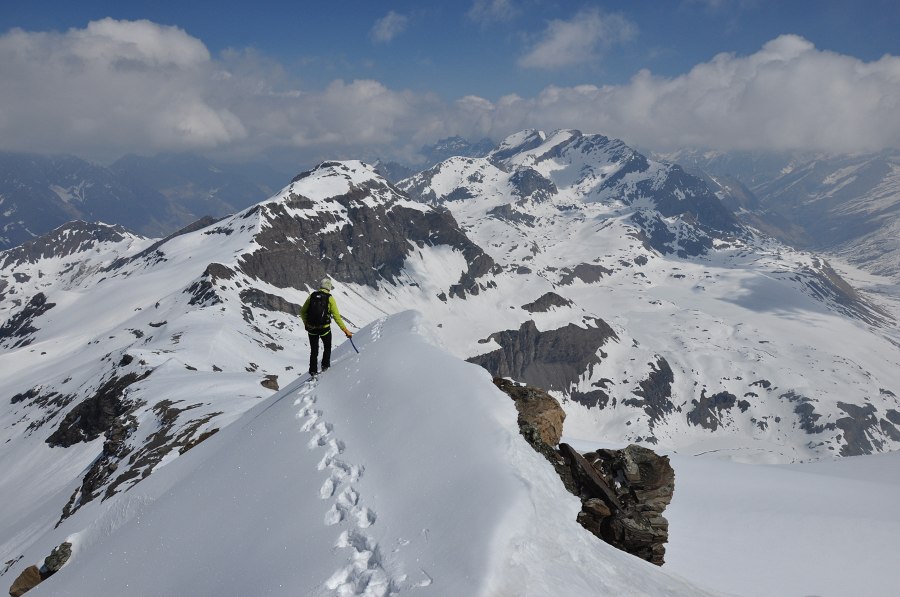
670,350
847,205
132,365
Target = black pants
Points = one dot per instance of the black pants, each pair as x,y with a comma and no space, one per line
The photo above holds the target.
314,352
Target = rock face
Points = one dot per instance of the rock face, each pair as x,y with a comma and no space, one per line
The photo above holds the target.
623,492
553,359
360,230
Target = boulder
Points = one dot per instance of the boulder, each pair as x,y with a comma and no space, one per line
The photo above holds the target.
537,409
56,560
29,579
624,494
270,382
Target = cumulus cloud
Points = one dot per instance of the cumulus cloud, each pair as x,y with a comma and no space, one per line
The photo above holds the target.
118,81
788,95
116,87
487,12
388,27
578,40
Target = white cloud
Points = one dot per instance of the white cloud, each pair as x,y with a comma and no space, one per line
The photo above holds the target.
487,12
578,40
112,83
788,95
388,27
116,87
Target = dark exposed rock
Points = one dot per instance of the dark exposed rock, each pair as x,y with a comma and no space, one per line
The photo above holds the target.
624,494
655,393
508,213
654,234
554,359
21,325
586,272
168,437
56,560
893,416
546,302
203,291
101,413
806,413
270,302
707,410
591,399
107,412
859,429
828,286
528,183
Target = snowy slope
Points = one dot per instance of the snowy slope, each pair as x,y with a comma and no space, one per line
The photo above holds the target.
718,339
400,470
842,204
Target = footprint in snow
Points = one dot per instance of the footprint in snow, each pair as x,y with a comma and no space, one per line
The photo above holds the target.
363,573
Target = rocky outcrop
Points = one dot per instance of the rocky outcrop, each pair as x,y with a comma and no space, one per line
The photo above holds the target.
18,329
547,302
623,495
29,579
588,273
540,415
33,576
623,492
654,394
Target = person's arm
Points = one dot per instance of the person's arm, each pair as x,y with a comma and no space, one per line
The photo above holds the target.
332,306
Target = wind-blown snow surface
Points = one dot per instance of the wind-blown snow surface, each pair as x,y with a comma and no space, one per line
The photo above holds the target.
401,470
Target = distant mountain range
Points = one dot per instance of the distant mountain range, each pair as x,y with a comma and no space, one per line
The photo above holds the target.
846,205
153,196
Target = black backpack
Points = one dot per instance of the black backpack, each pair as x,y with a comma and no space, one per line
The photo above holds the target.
318,316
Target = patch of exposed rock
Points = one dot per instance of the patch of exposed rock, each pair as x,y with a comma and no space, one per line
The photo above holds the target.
554,359
623,492
654,394
18,329
33,576
547,302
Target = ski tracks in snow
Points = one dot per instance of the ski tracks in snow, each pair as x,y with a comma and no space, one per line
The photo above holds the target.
364,573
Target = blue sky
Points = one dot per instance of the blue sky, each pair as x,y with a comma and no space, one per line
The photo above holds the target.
383,77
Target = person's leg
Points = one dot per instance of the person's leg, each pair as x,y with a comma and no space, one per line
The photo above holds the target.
326,351
313,354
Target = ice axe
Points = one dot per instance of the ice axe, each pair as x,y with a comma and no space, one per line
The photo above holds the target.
352,344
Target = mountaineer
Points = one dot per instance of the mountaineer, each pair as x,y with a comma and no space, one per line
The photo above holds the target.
316,313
